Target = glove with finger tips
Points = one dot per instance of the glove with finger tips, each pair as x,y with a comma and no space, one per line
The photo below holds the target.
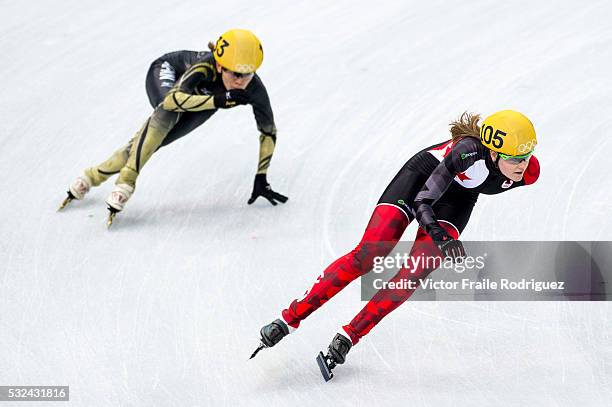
448,246
452,248
262,188
231,98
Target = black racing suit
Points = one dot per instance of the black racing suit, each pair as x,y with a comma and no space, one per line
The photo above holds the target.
166,71
185,106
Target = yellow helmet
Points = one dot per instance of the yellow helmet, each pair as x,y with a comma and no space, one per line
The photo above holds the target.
508,132
239,51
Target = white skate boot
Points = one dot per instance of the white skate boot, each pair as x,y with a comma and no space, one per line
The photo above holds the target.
117,199
80,187
77,190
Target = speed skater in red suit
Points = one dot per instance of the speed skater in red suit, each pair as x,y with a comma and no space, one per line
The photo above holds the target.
438,187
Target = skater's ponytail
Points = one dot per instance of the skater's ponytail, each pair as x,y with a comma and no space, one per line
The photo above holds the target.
465,126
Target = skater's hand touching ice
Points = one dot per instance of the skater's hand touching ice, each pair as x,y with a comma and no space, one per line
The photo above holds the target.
262,188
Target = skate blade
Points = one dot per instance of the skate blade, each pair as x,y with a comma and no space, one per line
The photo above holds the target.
64,203
111,218
324,367
260,347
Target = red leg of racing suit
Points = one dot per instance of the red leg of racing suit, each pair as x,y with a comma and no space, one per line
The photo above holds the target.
386,300
384,230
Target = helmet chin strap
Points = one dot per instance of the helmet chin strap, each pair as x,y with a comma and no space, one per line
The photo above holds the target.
496,162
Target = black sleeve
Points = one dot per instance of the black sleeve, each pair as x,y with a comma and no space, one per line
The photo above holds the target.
261,107
201,72
463,154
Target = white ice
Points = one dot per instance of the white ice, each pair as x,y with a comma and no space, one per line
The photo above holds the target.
165,308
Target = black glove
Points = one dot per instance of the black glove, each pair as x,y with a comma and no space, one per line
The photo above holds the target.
448,246
231,98
262,188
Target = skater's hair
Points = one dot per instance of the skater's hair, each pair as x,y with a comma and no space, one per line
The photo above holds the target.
465,126
211,46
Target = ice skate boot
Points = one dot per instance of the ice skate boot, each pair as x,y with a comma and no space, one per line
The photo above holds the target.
116,201
271,334
77,190
336,355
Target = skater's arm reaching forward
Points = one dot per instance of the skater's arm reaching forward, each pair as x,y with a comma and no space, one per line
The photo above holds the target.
262,110
266,149
261,186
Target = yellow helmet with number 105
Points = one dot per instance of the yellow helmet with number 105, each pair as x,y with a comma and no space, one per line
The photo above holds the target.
239,51
508,132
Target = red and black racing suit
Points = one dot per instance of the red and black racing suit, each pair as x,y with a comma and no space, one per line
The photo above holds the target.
440,184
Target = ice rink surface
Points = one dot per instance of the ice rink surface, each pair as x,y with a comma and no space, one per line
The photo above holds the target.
165,308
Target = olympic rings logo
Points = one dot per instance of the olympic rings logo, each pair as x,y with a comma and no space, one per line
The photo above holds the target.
527,147
244,68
